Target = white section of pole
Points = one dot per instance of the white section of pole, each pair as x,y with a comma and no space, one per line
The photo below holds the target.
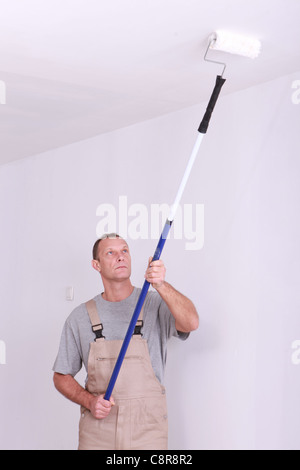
185,176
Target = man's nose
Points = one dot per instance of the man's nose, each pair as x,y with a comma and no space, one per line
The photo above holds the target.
120,256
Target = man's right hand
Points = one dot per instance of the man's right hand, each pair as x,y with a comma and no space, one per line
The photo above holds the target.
70,388
99,407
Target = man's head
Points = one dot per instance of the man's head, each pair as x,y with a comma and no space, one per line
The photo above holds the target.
111,257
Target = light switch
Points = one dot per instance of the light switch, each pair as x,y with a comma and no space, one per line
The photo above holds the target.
70,293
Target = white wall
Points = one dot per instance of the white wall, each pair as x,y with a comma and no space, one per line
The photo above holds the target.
235,383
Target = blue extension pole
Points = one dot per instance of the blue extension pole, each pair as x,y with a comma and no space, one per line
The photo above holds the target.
136,314
202,131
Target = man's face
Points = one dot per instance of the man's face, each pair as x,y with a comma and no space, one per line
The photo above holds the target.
113,259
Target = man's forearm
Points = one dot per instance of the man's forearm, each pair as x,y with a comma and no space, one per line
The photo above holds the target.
182,308
71,389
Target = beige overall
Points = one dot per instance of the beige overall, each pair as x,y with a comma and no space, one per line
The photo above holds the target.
138,420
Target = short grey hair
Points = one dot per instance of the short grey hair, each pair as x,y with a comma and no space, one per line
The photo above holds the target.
103,237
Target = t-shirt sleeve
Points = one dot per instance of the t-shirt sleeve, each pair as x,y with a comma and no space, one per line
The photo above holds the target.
167,322
68,360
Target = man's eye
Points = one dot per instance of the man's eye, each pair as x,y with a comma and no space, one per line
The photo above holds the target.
109,252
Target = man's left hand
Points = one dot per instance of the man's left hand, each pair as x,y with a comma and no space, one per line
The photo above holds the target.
155,273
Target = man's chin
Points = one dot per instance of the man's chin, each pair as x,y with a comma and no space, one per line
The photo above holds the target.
122,274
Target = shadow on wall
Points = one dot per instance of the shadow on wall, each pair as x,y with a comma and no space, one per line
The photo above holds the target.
183,384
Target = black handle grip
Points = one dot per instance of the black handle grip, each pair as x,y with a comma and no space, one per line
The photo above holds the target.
210,107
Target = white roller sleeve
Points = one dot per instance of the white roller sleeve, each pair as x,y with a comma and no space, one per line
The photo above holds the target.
235,44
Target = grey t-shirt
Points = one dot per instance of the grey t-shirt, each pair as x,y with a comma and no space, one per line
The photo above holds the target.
77,334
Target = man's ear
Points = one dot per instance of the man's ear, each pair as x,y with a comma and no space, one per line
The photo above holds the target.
96,265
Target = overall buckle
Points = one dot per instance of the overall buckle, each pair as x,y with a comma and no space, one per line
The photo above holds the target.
138,327
97,329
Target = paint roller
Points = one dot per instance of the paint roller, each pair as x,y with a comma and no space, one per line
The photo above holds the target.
218,41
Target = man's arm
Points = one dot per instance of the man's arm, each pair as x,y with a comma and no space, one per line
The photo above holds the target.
71,389
182,308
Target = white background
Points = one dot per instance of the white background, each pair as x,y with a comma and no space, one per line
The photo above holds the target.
232,384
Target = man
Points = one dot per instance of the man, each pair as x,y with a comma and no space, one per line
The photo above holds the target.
135,417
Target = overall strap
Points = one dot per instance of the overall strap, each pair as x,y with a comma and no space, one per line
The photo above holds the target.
97,326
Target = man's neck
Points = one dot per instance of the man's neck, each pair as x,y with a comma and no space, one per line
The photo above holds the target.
115,292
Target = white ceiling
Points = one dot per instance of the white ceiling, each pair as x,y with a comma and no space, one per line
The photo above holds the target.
74,69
